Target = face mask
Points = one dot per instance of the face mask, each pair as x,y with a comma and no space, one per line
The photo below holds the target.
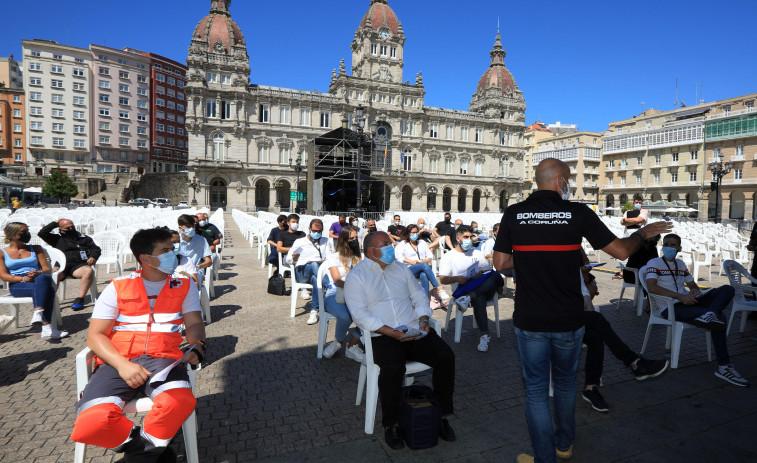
294,226
387,254
565,190
354,246
466,244
203,223
188,232
315,235
457,226
637,206
25,237
283,225
168,263
396,222
475,230
669,253
447,220
414,237
70,232
354,223
176,248
421,226
372,229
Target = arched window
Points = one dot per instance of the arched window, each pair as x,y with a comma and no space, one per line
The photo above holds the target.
407,198
476,206
462,194
431,198
218,147
447,200
407,159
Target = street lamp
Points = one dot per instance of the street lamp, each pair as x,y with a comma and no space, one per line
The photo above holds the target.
718,172
194,185
297,165
486,195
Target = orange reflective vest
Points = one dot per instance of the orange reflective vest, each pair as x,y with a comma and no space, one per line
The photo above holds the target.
140,330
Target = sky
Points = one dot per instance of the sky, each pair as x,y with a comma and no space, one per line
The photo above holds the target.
581,62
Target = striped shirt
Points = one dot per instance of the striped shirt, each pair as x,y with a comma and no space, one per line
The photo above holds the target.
672,276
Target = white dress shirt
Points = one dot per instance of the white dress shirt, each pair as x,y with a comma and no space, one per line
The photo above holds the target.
487,247
309,250
390,297
404,250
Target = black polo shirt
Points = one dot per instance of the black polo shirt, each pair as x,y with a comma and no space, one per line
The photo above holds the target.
447,229
287,237
544,233
396,230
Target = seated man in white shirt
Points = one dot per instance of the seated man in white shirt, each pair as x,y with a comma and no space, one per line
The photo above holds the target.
194,246
381,295
306,255
667,276
487,248
186,268
464,263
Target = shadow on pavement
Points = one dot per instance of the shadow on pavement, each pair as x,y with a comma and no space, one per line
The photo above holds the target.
15,368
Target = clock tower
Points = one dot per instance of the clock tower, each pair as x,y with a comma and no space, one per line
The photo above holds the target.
377,49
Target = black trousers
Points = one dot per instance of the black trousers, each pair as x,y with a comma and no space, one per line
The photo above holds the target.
390,355
598,332
480,296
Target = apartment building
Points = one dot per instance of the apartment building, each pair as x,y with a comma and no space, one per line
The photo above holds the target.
11,73
120,110
12,129
535,134
667,155
57,83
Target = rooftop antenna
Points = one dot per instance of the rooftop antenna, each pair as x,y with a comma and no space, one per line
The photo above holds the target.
676,104
696,92
497,25
642,106
701,93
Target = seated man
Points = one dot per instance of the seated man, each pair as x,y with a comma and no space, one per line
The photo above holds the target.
336,227
306,255
370,227
427,236
215,229
463,264
207,231
273,239
194,246
395,230
479,237
135,332
381,295
667,276
81,254
186,268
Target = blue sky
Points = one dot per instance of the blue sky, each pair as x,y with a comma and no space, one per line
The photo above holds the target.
583,62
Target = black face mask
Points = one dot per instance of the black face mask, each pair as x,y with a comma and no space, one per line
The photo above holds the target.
70,232
355,246
447,219
372,229
25,237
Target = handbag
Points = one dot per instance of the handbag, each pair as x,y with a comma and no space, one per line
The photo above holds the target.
276,285
419,417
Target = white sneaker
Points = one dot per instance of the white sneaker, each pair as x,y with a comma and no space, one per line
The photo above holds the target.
332,349
463,302
483,345
50,334
37,319
728,373
313,319
355,353
304,294
444,296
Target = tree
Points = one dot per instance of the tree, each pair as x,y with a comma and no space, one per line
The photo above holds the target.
59,186
627,207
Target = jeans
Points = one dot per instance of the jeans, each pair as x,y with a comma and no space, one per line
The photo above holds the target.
424,272
539,351
598,332
714,301
308,273
41,290
340,311
481,296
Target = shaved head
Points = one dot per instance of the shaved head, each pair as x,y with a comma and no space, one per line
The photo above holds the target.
548,173
371,238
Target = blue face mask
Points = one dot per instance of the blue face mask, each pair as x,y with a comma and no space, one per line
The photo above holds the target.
168,263
176,248
466,244
315,235
669,253
414,236
387,254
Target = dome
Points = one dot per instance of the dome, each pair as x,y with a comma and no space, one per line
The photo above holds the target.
218,30
497,76
381,15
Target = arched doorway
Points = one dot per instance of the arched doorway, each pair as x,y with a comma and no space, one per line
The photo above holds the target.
462,195
282,193
656,197
431,198
623,199
737,205
609,203
407,198
387,197
262,192
476,206
447,200
217,193
502,200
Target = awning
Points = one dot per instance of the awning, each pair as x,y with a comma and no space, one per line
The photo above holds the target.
7,182
691,112
35,189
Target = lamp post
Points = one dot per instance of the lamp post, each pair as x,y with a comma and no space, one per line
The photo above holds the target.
297,165
195,185
486,195
718,172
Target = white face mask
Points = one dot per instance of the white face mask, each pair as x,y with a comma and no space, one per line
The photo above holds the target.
354,223
565,190
637,206
396,222
421,226
294,226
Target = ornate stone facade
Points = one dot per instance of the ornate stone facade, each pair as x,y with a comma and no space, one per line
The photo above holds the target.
242,136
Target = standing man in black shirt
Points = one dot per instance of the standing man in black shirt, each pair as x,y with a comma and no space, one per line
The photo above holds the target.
396,229
541,238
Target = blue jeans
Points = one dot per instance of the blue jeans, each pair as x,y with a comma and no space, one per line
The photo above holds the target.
308,273
424,272
340,311
539,350
41,290
714,301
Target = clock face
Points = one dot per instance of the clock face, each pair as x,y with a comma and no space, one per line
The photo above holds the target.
384,34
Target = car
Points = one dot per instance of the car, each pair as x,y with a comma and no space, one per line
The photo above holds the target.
182,205
140,202
161,202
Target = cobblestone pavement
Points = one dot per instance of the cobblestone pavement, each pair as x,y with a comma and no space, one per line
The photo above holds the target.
262,394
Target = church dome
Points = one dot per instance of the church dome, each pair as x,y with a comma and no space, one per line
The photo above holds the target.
218,30
381,15
497,76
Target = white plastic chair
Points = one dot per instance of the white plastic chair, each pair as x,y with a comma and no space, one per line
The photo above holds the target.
323,317
369,374
459,314
142,405
659,304
706,262
741,281
111,244
638,295
296,287
98,225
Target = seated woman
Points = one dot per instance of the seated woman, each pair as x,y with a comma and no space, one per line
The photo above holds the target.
345,256
416,255
27,270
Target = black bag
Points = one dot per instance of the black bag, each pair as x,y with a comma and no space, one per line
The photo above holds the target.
420,417
276,285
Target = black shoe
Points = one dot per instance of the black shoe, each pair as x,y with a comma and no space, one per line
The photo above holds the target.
393,437
78,304
649,368
446,432
596,400
709,321
168,456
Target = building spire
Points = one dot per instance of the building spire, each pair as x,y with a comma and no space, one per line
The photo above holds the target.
498,53
220,6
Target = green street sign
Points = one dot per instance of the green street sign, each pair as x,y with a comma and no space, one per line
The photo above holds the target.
295,196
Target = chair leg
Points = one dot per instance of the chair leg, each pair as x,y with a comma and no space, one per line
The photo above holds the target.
744,317
323,329
205,304
15,309
80,453
293,298
189,428
708,339
675,346
450,307
458,323
57,319
371,399
620,298
730,321
646,339
496,312
667,339
360,385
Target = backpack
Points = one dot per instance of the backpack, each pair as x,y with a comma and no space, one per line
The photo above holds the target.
276,285
420,417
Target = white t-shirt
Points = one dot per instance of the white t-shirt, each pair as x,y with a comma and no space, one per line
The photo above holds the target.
404,250
106,307
334,261
674,276
455,264
487,247
196,249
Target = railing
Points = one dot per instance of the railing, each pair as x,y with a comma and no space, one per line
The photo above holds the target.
730,113
737,157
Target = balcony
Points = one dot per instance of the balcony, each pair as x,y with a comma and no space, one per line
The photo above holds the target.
692,162
740,126
611,168
737,157
730,113
673,164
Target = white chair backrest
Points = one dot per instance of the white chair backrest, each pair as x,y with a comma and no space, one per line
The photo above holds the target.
657,303
111,243
98,225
